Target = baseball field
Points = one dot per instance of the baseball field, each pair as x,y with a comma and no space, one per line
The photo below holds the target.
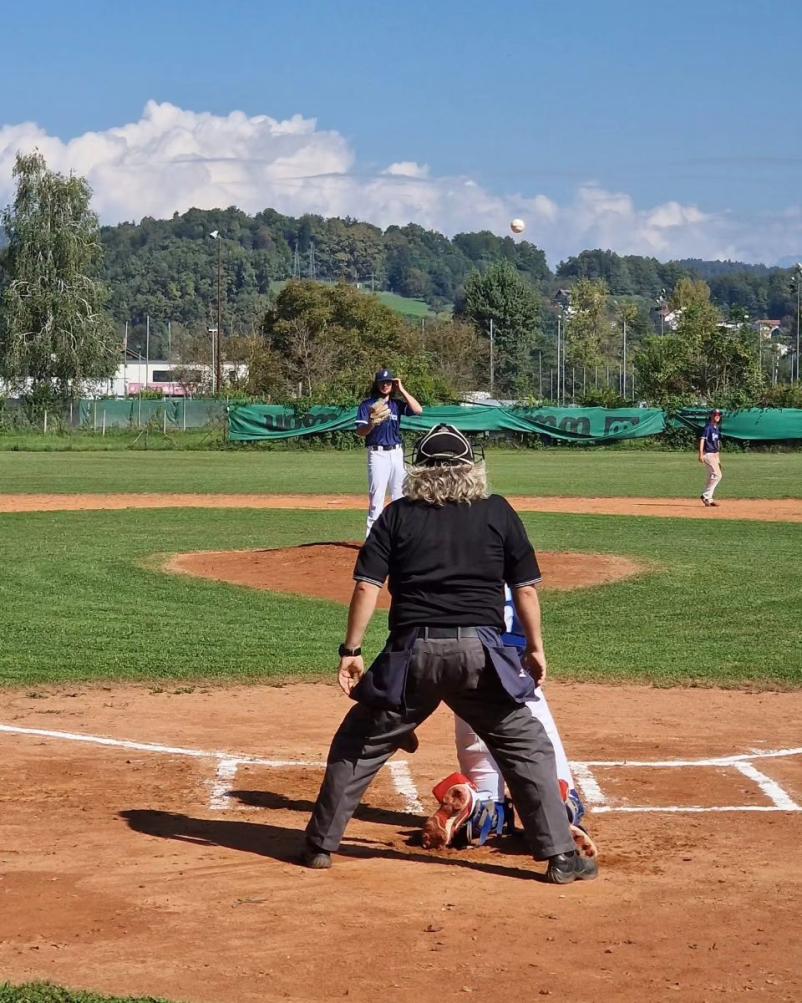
168,632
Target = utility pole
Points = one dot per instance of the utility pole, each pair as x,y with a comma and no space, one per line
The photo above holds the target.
125,361
798,276
312,270
492,358
296,263
558,359
147,349
624,386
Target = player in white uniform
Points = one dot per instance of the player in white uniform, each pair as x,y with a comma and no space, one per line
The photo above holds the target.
383,440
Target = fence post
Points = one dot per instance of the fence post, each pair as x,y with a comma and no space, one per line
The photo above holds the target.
164,414
94,415
104,419
44,427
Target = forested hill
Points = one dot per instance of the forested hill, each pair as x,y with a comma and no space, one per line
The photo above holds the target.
168,268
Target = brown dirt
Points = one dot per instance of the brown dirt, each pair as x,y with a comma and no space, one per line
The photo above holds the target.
117,875
780,510
324,570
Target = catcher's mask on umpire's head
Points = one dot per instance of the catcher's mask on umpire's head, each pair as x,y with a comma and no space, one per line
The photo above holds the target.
443,446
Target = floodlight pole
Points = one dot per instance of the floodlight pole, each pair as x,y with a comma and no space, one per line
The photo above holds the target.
798,279
218,360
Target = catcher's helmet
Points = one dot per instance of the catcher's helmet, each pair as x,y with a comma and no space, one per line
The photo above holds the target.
442,445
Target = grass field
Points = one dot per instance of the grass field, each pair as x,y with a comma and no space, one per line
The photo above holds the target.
45,992
82,599
592,473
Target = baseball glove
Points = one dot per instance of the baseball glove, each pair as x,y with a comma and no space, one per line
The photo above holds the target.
379,412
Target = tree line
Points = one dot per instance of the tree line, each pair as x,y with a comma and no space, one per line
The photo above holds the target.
297,312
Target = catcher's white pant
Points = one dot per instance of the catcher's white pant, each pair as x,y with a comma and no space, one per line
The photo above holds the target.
385,472
479,766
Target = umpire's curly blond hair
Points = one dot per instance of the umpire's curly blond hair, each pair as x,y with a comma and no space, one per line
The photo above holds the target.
465,482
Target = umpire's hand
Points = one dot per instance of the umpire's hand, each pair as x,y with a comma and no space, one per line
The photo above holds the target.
351,670
535,664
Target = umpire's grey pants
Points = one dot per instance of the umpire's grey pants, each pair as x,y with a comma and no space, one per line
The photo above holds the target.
459,673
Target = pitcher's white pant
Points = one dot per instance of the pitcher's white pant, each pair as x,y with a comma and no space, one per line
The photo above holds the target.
479,766
385,472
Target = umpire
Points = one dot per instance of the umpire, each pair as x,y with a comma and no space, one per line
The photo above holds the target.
447,548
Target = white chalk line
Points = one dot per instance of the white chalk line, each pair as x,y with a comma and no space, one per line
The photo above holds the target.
779,797
405,785
229,763
776,794
121,743
221,785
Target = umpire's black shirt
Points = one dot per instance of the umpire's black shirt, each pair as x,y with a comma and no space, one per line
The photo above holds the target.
448,565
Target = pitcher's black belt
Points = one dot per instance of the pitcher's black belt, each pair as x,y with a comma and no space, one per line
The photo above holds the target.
396,446
445,633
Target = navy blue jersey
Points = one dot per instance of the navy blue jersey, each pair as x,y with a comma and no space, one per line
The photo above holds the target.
389,432
712,437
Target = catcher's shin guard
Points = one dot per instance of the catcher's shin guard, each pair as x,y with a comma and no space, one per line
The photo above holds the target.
573,803
457,797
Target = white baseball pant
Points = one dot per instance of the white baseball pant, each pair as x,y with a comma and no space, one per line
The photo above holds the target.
385,472
479,766
714,475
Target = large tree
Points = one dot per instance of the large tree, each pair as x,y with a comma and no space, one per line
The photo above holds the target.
502,296
705,360
328,340
54,332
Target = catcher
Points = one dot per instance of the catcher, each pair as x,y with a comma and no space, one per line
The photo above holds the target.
378,423
472,803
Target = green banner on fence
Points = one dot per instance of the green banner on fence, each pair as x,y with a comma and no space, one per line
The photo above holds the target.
751,425
592,424
256,422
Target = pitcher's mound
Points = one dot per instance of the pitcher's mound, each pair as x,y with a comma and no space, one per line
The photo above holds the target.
324,570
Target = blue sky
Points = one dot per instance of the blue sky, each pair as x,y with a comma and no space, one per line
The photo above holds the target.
695,105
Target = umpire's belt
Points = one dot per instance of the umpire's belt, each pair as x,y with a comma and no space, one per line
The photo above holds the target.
375,448
444,633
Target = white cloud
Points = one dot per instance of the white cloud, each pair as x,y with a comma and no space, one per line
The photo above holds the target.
173,159
408,169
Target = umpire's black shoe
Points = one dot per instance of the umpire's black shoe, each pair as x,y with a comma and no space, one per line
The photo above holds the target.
312,856
410,743
572,866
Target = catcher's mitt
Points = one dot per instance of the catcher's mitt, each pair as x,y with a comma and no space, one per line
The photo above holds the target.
379,412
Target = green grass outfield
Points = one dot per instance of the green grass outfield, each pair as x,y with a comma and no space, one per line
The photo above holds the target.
581,473
720,605
46,992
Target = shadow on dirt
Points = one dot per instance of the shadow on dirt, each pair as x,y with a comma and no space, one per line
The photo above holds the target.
283,845
366,813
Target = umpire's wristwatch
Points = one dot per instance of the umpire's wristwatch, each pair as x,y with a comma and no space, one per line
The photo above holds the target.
348,652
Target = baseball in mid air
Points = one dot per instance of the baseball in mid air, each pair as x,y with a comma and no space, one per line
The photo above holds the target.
517,226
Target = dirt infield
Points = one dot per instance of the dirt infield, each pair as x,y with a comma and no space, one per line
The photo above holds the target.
324,570
781,510
157,869
147,836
